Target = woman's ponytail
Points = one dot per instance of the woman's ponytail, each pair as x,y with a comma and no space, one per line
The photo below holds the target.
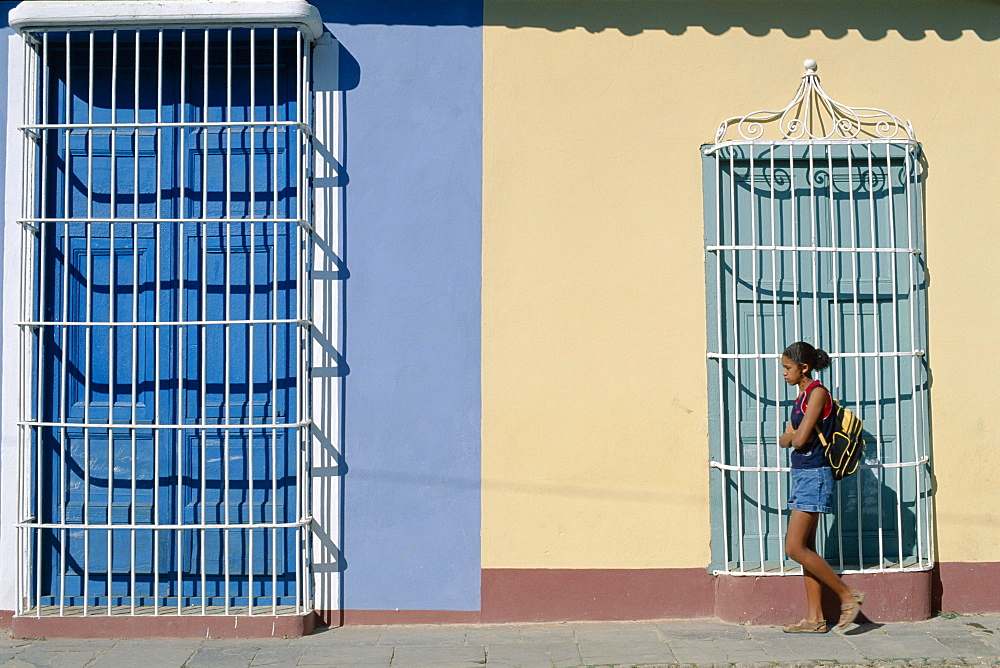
801,352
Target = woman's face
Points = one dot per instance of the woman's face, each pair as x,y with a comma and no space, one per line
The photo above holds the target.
793,371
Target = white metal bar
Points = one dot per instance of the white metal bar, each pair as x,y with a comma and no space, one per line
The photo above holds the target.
911,144
135,330
736,367
88,357
814,248
300,292
64,390
723,449
183,333
28,250
796,302
779,421
835,272
186,526
39,335
846,571
856,305
891,353
125,125
157,315
227,280
31,222
203,499
128,324
178,427
251,328
274,339
879,465
756,367
895,342
814,233
877,345
304,483
910,166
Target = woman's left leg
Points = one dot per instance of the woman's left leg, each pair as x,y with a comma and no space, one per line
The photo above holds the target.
814,587
800,546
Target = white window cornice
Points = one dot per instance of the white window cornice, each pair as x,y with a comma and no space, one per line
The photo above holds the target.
32,15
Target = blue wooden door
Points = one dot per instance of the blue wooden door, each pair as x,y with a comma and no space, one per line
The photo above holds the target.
169,365
813,242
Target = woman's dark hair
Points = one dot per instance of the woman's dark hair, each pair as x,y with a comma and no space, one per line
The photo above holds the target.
801,352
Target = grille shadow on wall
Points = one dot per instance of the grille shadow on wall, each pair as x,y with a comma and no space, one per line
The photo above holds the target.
816,235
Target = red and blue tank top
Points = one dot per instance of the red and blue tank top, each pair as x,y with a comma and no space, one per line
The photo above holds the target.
811,456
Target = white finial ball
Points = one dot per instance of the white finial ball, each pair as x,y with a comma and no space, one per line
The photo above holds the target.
810,64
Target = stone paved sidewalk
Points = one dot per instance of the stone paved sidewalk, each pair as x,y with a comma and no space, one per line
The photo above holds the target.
958,641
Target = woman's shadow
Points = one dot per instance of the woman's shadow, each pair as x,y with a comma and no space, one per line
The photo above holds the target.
871,528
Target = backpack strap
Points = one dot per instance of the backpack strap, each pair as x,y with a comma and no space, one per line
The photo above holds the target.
827,410
830,405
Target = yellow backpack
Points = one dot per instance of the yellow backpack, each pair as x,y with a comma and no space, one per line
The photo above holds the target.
844,448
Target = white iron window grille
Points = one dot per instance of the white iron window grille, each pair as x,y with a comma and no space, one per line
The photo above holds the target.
816,234
165,322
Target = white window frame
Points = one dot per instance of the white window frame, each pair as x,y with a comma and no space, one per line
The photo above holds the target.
70,15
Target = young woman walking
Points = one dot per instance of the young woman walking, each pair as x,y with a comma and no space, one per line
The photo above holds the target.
811,488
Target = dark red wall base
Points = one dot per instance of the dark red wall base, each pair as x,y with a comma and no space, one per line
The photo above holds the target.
163,627
967,587
890,597
384,617
549,595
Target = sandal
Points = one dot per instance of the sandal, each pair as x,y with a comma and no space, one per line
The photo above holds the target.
849,611
805,626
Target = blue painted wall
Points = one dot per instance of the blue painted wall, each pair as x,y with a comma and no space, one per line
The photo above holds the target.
411,515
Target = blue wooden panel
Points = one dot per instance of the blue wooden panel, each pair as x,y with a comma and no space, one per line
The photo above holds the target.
853,303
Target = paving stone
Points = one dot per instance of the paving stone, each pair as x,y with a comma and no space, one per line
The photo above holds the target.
878,646
793,647
556,633
7,655
439,657
347,656
416,636
486,635
75,644
717,650
597,633
702,630
7,642
140,652
224,655
991,640
533,655
625,651
969,646
55,659
345,635
277,656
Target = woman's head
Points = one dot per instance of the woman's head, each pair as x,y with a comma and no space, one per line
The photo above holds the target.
800,359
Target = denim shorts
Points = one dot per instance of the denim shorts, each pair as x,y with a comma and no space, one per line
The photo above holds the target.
812,490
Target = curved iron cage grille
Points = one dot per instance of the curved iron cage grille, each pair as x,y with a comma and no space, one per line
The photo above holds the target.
817,236
165,323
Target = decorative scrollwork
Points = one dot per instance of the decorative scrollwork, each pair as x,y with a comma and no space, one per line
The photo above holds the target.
814,115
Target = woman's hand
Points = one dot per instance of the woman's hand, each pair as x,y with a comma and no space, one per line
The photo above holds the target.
798,438
786,438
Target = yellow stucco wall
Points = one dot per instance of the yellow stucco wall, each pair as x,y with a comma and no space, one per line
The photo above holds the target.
594,381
